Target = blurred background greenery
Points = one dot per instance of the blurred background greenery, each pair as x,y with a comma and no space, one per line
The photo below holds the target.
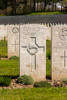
21,7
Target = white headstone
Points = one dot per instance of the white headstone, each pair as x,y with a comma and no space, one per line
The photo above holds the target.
33,51
13,40
3,31
59,52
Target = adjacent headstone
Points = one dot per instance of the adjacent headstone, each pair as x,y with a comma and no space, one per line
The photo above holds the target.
3,32
59,52
13,40
33,51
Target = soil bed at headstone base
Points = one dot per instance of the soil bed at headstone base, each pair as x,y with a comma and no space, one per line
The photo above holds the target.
15,85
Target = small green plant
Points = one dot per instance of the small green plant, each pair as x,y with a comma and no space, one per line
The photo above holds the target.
5,81
13,58
42,84
65,81
26,80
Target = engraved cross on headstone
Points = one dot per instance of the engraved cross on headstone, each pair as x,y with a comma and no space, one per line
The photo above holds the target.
15,44
15,30
64,58
33,48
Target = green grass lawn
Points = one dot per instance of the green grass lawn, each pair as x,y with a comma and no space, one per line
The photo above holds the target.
48,58
9,67
3,48
46,13
34,94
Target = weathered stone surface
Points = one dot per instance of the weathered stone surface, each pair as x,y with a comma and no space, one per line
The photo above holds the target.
33,51
59,52
13,40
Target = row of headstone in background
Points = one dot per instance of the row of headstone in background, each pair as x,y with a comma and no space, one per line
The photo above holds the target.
32,40
45,19
33,51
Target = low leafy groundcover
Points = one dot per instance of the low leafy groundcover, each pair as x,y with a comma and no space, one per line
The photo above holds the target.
26,80
5,81
65,81
13,58
42,84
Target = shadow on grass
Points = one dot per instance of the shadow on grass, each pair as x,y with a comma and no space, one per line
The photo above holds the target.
48,59
10,76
